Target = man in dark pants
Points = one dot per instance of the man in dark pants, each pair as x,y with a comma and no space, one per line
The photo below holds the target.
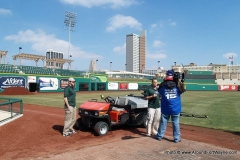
170,105
70,108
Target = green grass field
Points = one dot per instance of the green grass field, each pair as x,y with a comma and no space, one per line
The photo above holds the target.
222,108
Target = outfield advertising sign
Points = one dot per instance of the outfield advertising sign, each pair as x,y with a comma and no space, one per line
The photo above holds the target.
12,81
63,83
32,79
143,87
112,86
98,78
133,86
228,87
94,79
48,83
123,86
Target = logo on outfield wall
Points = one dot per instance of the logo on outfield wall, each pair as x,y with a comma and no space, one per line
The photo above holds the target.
63,83
94,79
228,87
12,81
123,86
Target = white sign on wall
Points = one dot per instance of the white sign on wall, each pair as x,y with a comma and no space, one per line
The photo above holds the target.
133,86
48,83
32,79
112,86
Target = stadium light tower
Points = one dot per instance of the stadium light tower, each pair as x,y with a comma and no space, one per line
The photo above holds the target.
110,68
70,22
96,64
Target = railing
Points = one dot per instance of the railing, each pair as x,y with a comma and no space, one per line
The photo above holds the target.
10,108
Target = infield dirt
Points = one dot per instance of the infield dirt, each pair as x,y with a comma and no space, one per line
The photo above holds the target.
39,134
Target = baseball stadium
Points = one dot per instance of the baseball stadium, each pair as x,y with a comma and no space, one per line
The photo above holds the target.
32,112
101,82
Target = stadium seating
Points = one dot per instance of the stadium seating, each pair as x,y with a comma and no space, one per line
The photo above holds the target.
201,78
74,73
204,81
7,68
228,81
36,70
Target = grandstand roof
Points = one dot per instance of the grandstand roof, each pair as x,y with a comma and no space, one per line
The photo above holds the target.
3,53
58,60
29,56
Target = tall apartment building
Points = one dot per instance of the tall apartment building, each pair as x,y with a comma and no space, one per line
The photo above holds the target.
136,52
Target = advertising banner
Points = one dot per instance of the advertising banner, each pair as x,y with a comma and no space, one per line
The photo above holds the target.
123,86
12,81
133,86
63,83
112,86
228,87
143,87
98,78
48,83
32,79
94,79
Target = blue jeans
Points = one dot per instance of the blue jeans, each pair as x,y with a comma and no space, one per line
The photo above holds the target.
175,126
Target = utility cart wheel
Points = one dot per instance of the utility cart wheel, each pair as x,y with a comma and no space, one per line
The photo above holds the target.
79,125
101,128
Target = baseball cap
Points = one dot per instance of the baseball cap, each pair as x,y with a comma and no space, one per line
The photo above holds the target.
71,79
169,73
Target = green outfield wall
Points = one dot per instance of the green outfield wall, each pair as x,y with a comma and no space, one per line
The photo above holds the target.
51,83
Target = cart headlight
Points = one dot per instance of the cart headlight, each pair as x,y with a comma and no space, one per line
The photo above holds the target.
96,113
86,112
102,113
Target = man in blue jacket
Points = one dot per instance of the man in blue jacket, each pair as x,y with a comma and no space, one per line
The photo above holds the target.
170,105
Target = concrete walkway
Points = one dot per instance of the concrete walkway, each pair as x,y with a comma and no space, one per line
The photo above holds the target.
147,148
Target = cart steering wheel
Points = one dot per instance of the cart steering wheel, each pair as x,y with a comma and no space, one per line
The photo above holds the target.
110,100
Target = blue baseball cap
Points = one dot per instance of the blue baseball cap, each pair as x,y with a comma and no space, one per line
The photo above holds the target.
169,73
